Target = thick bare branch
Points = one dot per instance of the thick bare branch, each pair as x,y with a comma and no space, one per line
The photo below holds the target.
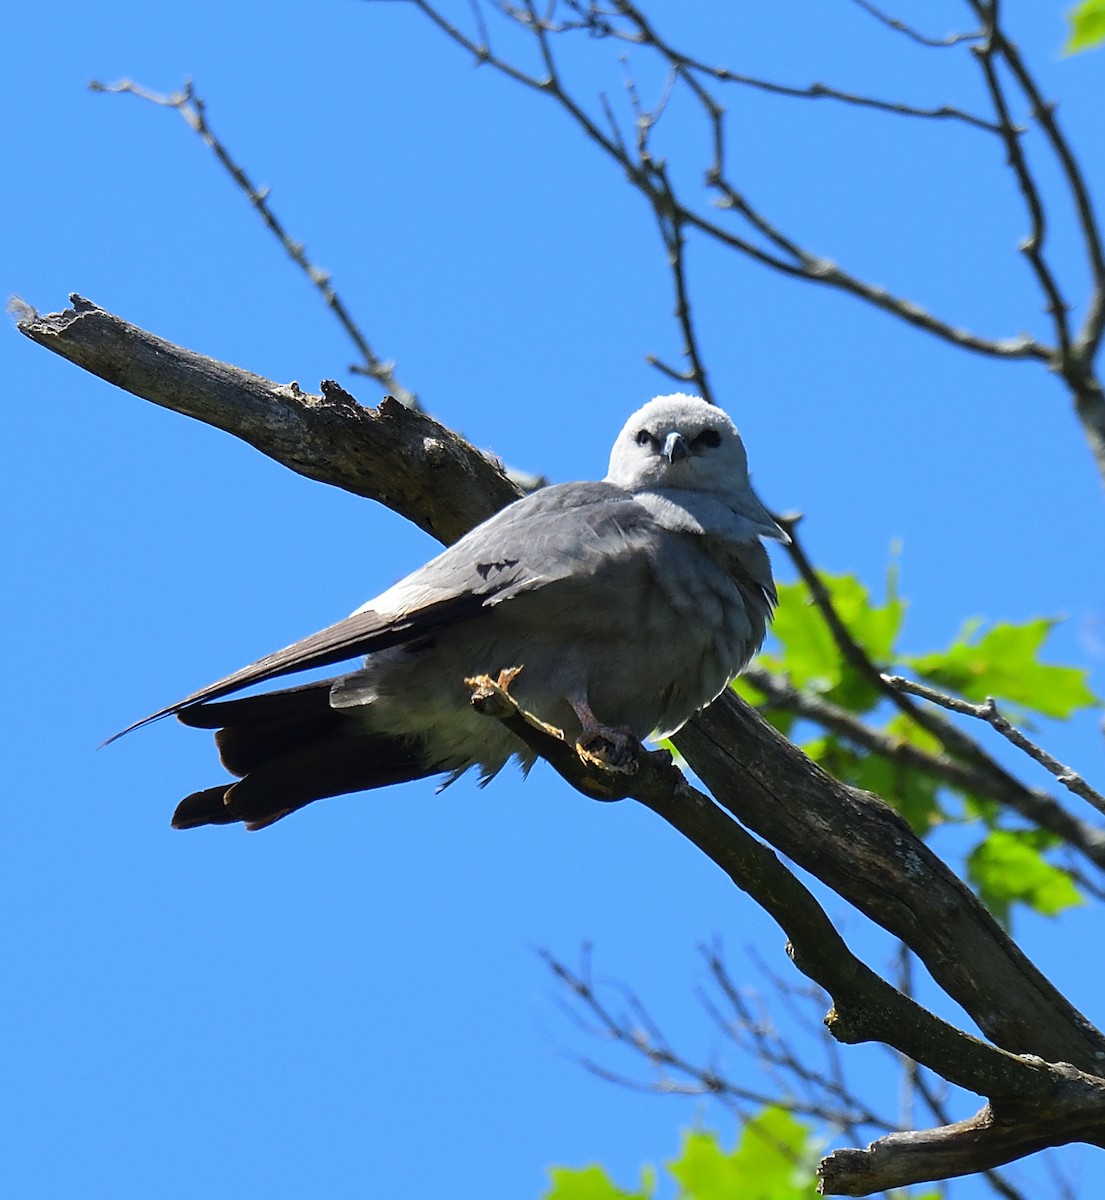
997,1134
392,454
865,852
865,1006
1034,1104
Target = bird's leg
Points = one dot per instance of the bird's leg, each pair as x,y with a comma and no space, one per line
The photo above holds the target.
602,746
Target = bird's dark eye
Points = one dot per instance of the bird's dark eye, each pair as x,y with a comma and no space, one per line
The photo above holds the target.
708,437
644,438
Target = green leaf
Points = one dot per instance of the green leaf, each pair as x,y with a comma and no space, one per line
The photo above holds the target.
593,1183
1087,26
1004,663
774,1160
810,656
1007,867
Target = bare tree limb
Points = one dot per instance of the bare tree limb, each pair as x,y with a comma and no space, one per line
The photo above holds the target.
392,454
866,853
938,1109
987,1140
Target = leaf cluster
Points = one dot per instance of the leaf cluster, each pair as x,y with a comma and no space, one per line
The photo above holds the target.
1007,864
775,1158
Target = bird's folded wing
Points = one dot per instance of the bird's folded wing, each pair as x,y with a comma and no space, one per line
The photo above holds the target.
565,531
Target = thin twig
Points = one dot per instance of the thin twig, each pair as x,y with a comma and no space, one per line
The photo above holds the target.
773,1051
194,111
1043,112
1033,245
951,39
988,712
671,230
1034,804
645,34
677,1075
795,262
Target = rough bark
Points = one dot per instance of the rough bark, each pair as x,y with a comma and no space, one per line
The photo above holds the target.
402,458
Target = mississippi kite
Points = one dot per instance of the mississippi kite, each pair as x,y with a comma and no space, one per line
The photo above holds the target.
629,605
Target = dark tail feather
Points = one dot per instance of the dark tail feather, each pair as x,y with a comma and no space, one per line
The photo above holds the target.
256,729
204,808
291,748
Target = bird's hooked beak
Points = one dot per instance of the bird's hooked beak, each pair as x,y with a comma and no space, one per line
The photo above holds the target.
675,447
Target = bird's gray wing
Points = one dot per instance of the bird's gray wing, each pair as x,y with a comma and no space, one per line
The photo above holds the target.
541,538
569,530
360,634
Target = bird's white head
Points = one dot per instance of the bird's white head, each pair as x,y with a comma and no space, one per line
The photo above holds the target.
682,443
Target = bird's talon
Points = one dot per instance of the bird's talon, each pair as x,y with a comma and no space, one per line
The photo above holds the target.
610,750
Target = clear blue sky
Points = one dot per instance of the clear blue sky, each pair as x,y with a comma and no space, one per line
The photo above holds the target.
350,1004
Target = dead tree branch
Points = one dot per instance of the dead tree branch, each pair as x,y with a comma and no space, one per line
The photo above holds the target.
392,454
1033,1103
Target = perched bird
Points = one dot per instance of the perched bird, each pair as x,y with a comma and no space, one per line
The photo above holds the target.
628,605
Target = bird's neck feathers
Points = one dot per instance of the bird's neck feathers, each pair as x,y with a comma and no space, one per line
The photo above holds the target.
734,519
